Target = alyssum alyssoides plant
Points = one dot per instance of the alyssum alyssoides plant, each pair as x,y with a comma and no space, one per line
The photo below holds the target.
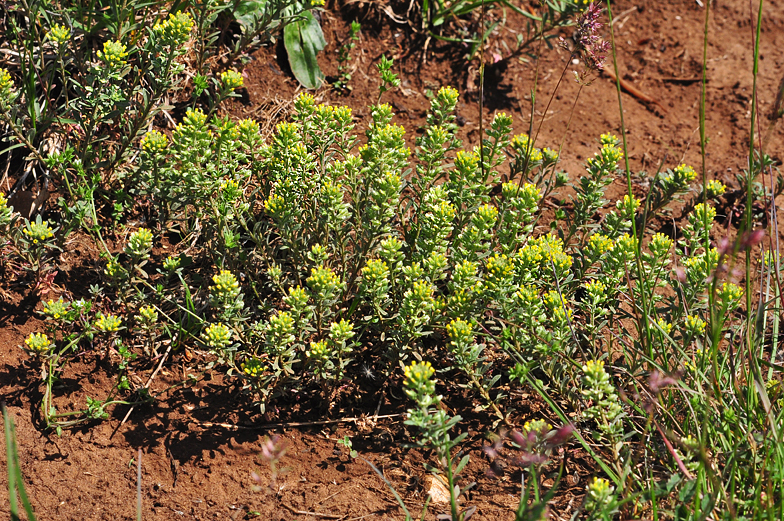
375,254
326,256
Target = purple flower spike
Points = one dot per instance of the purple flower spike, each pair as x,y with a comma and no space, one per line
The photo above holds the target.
589,45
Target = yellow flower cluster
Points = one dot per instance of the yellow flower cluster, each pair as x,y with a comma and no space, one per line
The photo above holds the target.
551,248
596,288
217,336
628,206
319,351
685,172
38,343
460,332
113,54
154,142
232,80
139,243
323,281
521,144
537,427
252,367
448,95
730,294
108,323
418,373
171,263
275,205
499,267
148,315
226,285
466,161
553,301
175,30
664,325
715,188
59,34
599,495
38,231
599,244
280,331
55,309
660,245
594,368
527,295
340,332
695,325
375,269
6,86
230,186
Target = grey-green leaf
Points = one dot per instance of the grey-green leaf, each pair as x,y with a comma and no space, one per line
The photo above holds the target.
303,40
247,12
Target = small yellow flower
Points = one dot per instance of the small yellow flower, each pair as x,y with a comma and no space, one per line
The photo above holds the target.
664,325
139,243
537,427
275,205
685,173
599,244
599,495
460,332
448,94
226,285
171,263
523,146
319,351
596,289
176,29
628,206
147,316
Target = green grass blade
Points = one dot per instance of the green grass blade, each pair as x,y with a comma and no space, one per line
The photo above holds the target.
15,478
394,492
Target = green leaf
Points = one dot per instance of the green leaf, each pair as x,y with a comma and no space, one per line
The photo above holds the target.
303,40
247,12
461,465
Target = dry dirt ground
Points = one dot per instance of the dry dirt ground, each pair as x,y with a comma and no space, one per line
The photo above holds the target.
196,462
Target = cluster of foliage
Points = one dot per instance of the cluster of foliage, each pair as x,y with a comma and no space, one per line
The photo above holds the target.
308,256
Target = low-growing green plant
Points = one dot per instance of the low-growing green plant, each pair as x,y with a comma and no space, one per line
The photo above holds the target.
314,253
344,58
345,441
360,253
542,24
434,425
